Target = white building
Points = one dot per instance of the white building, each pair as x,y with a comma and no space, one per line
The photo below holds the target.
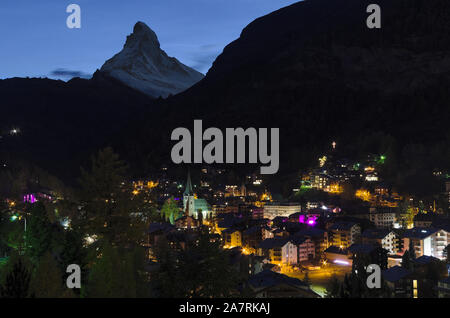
384,218
279,251
385,238
274,209
427,241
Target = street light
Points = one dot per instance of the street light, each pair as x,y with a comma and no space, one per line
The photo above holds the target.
14,217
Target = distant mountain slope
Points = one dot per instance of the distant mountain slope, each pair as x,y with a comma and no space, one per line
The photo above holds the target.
62,123
317,72
312,69
143,65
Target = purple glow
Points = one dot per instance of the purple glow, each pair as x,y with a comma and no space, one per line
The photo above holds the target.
30,198
311,219
337,261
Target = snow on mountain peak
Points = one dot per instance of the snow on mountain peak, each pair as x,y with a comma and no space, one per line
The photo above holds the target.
143,65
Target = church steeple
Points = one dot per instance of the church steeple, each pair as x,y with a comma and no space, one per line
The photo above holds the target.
188,191
188,196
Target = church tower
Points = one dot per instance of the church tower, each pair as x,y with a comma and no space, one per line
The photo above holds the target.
188,197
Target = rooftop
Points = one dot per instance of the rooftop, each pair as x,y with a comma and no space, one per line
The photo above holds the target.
268,278
273,243
375,233
361,248
395,273
342,226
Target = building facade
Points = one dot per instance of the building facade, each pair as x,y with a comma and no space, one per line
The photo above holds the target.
273,210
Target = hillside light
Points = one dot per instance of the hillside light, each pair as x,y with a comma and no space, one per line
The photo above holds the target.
15,217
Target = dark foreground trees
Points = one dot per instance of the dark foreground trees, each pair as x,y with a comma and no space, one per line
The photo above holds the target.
201,269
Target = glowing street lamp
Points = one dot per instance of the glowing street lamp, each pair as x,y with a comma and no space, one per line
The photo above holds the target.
15,217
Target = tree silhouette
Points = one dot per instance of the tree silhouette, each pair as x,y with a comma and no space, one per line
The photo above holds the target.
17,282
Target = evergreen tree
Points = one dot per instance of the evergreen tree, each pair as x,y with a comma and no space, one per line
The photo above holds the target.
333,288
196,271
38,236
111,210
46,281
170,211
17,281
72,251
104,276
117,273
406,260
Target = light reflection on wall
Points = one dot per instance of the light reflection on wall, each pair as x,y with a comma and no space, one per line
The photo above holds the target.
30,198
308,219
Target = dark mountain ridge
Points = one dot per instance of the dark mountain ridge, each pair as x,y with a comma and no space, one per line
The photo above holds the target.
62,123
314,70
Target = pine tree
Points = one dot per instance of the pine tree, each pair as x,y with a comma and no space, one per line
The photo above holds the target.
196,271
17,281
333,288
39,234
46,281
170,210
116,274
406,260
109,202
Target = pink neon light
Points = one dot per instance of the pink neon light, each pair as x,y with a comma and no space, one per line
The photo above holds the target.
30,198
341,262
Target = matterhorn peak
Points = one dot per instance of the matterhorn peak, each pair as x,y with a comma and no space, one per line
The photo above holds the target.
144,66
142,33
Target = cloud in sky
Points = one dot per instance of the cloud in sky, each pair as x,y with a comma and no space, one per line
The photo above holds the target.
68,74
202,57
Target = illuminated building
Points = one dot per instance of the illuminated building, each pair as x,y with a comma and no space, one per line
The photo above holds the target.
193,204
320,181
382,217
371,177
384,238
427,241
399,281
318,236
344,234
232,238
274,209
364,195
306,250
444,288
334,188
322,161
280,251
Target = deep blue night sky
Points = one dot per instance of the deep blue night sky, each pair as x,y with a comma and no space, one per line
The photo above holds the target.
37,43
